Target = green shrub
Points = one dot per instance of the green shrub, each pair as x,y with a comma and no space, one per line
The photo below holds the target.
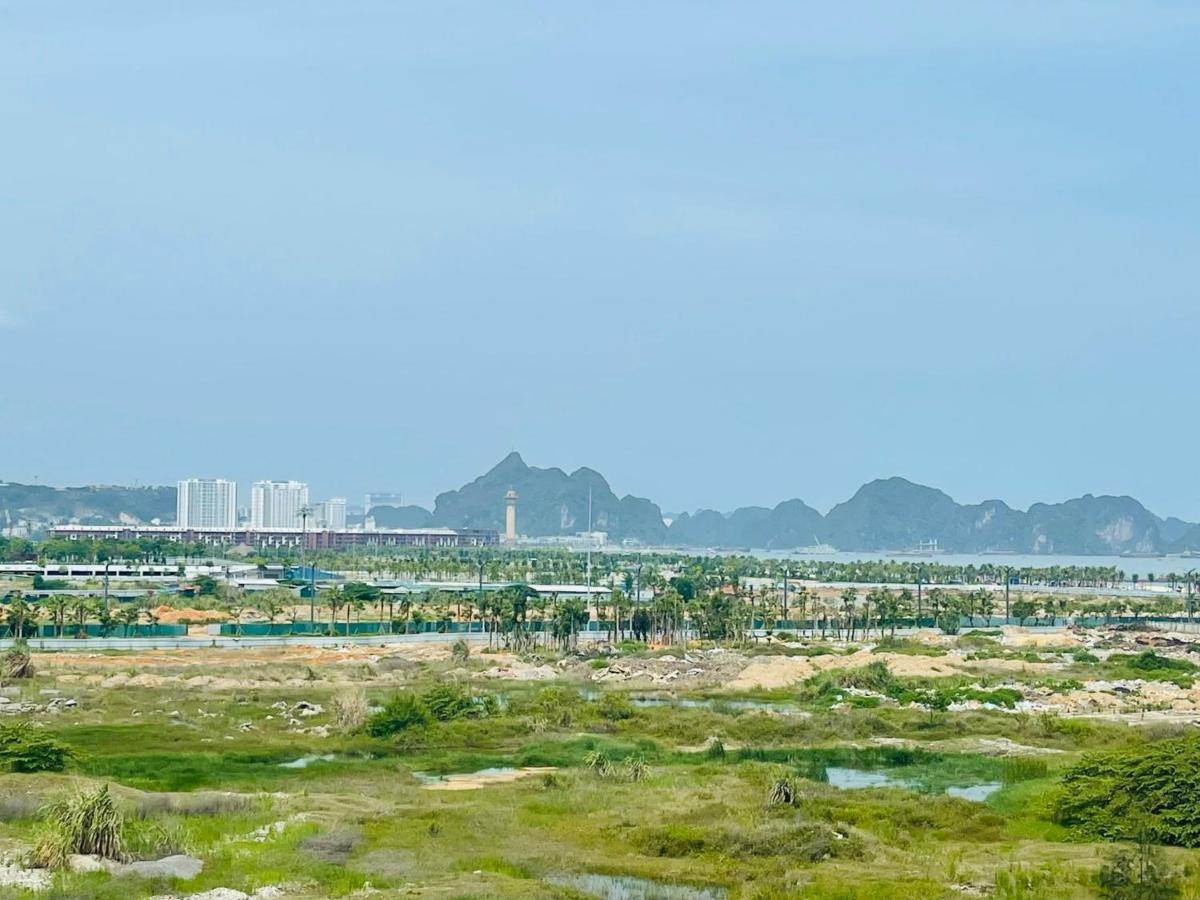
1149,661
615,707
86,823
1138,874
24,748
907,646
1120,795
402,712
459,651
446,702
715,751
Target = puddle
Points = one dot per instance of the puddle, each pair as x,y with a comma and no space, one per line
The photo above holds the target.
853,779
626,887
976,792
303,762
469,781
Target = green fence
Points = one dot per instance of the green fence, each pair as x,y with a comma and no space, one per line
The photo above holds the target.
118,631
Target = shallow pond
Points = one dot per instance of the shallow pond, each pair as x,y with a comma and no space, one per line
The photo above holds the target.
501,771
626,887
852,779
304,761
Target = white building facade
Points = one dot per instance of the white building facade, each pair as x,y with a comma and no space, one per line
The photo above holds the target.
206,503
277,504
331,514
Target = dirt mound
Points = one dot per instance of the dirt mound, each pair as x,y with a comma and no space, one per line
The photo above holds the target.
169,615
781,671
1015,636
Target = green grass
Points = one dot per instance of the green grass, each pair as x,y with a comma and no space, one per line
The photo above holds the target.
695,818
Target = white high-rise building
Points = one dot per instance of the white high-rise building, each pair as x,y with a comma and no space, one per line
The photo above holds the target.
206,503
277,504
331,514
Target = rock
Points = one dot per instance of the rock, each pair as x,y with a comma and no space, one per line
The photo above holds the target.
221,893
246,726
177,866
304,708
15,876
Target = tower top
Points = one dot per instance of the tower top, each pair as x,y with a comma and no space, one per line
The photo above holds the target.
511,495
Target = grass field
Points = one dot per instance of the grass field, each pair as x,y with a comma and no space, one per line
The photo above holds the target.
676,795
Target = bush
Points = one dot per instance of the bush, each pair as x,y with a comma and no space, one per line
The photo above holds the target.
598,762
636,768
907,646
401,713
17,662
1149,661
715,751
85,824
24,748
459,651
615,707
782,793
350,709
1122,795
1138,874
447,702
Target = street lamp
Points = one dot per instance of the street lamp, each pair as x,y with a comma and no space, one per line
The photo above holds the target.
1190,604
304,512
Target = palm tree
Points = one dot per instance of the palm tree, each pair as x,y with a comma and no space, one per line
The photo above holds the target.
332,598
56,606
236,611
82,608
18,613
128,615
849,598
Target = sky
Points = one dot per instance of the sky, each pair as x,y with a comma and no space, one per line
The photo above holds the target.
725,254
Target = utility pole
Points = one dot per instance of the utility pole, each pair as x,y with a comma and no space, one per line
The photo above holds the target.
1190,604
481,619
106,565
920,578
589,559
1007,581
785,593
638,596
304,513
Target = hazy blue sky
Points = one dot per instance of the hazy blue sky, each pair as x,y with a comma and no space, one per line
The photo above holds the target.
723,253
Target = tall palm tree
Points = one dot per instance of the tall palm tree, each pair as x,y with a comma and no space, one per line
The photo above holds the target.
56,606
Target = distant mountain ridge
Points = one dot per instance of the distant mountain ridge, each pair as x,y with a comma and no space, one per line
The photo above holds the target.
93,504
885,514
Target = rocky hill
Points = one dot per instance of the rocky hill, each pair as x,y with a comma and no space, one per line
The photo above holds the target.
551,503
886,514
95,504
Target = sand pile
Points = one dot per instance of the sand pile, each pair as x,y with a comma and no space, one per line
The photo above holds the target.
1014,636
169,615
781,671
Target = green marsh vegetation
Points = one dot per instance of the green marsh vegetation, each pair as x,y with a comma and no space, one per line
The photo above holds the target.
714,795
